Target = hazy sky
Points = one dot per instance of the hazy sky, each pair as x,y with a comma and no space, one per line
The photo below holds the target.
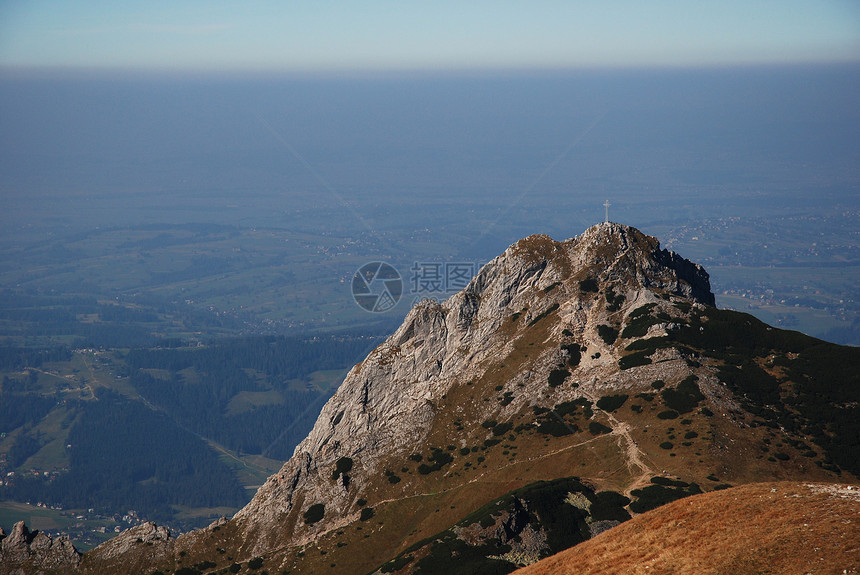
427,34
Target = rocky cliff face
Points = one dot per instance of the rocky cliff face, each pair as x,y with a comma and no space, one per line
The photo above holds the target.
388,403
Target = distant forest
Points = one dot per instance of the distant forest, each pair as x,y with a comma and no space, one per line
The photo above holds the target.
196,386
127,456
252,395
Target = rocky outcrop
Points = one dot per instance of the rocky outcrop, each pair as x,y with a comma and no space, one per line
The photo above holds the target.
134,550
25,551
388,402
146,534
628,255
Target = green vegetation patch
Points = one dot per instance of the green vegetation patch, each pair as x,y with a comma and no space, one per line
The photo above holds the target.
607,333
634,360
684,398
652,344
438,459
757,386
654,496
574,354
596,428
543,314
556,422
396,564
611,402
314,513
571,407
106,474
589,285
642,311
544,501
613,300
21,409
820,394
557,377
342,467
609,506
668,482
639,321
392,477
556,427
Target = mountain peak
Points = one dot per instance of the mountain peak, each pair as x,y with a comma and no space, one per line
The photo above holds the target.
392,401
612,252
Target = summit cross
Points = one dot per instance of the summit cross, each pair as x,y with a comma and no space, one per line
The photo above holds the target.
606,205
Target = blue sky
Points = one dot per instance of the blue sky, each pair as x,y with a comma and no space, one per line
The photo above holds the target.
439,34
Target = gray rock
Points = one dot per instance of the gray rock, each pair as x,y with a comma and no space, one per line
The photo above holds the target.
26,551
146,534
387,404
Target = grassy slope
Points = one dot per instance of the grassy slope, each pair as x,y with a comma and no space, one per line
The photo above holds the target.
783,528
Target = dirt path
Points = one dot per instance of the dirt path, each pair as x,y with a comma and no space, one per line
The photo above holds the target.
636,458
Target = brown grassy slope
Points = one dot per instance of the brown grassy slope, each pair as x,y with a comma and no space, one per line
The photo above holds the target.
780,527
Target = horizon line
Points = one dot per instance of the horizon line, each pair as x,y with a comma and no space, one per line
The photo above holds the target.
394,71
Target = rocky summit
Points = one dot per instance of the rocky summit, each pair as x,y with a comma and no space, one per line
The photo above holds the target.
569,387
